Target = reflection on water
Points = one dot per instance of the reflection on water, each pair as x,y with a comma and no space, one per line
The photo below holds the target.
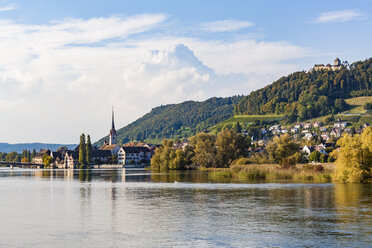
126,208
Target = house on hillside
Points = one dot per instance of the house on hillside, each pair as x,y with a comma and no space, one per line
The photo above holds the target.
299,125
309,136
307,150
274,127
325,136
317,124
307,125
321,148
294,130
340,125
323,129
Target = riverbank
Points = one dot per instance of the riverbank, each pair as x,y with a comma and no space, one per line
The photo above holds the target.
300,172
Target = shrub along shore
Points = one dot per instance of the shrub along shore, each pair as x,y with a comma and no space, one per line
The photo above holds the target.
300,172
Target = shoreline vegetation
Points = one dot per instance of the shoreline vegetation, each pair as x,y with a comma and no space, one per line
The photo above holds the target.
225,156
252,172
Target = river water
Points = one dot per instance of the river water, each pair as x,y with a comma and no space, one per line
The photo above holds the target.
130,208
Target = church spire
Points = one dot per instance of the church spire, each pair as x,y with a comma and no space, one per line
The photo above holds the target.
112,134
113,124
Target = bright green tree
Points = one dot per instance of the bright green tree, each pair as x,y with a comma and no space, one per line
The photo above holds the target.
354,158
47,160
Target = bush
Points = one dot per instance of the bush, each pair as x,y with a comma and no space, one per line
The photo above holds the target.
318,168
367,106
219,174
241,161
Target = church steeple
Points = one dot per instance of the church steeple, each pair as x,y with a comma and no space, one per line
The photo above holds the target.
112,134
113,124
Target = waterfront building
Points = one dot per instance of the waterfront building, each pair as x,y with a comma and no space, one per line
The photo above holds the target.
38,159
134,155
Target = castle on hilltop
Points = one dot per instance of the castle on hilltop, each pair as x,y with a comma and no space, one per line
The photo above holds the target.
336,67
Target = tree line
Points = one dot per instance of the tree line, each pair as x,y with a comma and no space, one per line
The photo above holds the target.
178,120
25,157
305,95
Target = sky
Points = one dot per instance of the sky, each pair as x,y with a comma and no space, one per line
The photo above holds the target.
64,64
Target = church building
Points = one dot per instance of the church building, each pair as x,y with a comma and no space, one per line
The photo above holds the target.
111,145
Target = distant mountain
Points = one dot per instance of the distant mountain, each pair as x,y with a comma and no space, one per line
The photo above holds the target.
305,95
5,147
178,120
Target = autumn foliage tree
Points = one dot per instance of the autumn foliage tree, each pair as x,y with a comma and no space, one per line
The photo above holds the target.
354,158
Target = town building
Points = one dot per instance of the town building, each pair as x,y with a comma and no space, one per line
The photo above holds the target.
38,159
134,155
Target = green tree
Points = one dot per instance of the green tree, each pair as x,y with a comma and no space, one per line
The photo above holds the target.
367,105
179,161
33,154
89,150
11,157
354,158
314,156
230,146
47,160
62,148
283,150
29,155
329,119
238,128
205,151
340,104
82,151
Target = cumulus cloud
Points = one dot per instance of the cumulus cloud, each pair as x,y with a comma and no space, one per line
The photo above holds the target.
65,75
338,16
225,25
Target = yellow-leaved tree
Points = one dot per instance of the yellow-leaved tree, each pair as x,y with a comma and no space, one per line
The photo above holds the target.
354,157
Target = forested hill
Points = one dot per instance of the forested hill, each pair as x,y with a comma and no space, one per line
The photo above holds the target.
178,120
5,147
310,94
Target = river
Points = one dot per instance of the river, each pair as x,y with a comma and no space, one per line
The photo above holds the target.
137,208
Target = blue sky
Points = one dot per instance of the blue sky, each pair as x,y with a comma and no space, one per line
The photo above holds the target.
74,59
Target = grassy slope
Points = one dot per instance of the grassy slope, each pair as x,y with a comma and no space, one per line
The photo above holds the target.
356,114
244,120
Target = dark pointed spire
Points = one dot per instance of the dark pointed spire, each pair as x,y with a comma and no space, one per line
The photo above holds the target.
113,124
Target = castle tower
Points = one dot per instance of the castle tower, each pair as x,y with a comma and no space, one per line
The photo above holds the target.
112,134
337,62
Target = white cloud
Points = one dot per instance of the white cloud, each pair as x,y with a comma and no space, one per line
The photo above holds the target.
8,8
339,16
60,79
225,25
